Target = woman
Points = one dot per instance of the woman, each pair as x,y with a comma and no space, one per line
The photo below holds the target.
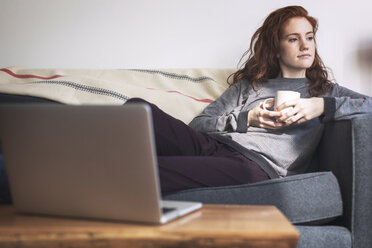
245,142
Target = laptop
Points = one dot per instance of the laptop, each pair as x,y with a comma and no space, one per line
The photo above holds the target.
85,161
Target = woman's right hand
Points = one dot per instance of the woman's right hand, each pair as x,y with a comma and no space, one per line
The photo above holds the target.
260,117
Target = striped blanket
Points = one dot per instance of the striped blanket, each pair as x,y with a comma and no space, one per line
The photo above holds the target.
182,93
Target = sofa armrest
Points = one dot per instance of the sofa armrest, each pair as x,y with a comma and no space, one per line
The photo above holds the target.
346,150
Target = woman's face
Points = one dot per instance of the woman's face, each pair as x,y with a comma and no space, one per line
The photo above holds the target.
296,48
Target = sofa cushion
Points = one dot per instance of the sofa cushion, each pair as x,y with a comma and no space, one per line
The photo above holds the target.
324,237
312,198
5,197
10,98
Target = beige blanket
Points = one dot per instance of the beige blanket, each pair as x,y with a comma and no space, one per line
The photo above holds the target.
182,93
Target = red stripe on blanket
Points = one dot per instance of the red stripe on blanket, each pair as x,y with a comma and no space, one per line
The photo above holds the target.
22,76
177,92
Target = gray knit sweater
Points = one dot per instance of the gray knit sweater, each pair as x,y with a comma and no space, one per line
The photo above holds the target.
279,152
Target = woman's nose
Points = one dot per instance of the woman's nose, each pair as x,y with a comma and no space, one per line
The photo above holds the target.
304,45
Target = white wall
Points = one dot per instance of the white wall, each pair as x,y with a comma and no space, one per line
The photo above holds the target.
170,33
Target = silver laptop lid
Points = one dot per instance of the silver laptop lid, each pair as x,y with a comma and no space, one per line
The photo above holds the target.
85,161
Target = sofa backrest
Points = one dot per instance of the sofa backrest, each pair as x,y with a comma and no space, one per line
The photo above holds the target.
182,93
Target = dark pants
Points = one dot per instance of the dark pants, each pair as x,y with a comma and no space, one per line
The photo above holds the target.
191,159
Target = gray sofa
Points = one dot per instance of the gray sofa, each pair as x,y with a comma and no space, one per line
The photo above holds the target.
330,205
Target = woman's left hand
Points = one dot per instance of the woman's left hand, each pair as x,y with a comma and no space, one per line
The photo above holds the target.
304,109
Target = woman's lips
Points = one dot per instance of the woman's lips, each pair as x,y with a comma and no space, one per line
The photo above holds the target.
304,56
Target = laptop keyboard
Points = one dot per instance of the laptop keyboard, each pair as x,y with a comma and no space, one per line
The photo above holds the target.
165,210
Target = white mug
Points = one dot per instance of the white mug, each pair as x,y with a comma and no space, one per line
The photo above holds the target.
282,96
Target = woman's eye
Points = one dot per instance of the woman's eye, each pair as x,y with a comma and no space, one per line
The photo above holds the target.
292,39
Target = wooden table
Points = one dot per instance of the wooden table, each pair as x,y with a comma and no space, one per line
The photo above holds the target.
211,226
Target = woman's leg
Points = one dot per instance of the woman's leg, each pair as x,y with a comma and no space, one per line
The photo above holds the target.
190,159
175,138
180,172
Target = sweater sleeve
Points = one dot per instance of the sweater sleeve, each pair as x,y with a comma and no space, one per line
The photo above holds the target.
344,103
224,114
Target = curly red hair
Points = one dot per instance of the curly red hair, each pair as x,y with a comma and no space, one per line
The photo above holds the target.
262,62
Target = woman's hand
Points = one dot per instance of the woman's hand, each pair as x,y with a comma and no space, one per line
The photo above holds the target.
304,109
259,117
